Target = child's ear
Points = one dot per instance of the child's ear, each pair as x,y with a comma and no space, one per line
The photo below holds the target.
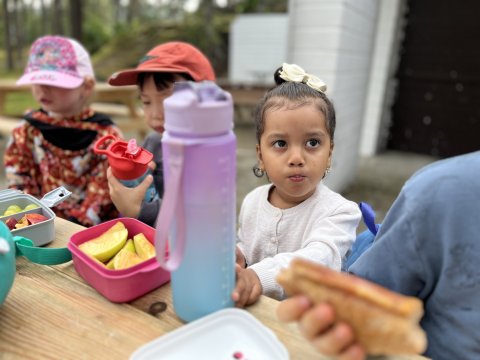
330,153
332,145
89,84
259,157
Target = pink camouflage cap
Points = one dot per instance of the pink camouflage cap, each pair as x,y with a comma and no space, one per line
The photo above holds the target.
57,61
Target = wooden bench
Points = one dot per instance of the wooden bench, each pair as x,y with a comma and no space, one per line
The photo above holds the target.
7,124
122,116
245,98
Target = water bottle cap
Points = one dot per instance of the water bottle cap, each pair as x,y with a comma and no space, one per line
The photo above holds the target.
198,108
132,149
127,160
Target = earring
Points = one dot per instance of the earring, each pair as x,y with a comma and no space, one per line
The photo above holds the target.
257,171
327,170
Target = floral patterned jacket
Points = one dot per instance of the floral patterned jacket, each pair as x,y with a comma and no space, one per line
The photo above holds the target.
44,153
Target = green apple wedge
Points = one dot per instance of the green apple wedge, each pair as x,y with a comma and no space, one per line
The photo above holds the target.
105,246
129,246
125,259
30,207
12,210
144,248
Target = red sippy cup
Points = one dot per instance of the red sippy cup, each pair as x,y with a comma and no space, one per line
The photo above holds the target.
127,160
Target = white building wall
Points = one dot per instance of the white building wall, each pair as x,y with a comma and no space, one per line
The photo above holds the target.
385,60
334,39
257,47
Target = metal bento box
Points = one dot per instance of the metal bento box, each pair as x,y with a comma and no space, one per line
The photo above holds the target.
40,233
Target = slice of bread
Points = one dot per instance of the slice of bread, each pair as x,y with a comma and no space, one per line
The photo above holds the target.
384,322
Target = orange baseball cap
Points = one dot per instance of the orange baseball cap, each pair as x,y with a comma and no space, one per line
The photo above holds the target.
174,56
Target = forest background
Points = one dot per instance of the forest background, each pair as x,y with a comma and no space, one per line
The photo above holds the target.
117,33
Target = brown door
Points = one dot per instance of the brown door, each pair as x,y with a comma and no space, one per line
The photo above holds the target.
437,105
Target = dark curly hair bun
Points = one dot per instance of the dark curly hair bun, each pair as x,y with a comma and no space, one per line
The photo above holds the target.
276,76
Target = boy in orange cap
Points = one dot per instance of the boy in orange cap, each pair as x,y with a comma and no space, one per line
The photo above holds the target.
155,75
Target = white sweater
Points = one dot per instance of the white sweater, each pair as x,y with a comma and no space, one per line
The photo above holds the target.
321,229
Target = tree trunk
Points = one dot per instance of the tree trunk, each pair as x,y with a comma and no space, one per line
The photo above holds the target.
44,18
17,20
8,44
76,19
133,10
117,11
57,17
207,10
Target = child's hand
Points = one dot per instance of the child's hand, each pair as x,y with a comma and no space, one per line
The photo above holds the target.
320,326
248,289
151,165
240,259
128,201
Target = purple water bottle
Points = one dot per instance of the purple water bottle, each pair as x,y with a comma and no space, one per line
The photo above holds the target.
198,212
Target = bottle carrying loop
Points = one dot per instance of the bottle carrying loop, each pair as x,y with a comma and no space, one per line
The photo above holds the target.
172,203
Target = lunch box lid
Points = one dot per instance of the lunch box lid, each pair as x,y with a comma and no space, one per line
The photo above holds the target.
225,334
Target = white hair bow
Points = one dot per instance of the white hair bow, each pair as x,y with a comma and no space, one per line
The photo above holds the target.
292,72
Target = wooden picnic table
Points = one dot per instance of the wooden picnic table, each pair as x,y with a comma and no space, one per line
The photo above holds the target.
52,313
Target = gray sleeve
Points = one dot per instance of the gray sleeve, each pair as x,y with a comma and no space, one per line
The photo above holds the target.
149,212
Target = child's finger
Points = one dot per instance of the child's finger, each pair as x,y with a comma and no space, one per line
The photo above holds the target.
317,319
152,165
239,258
293,308
335,341
112,180
254,295
240,294
146,183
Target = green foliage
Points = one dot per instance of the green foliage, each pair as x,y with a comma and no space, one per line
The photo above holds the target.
116,44
255,6
128,46
95,35
18,103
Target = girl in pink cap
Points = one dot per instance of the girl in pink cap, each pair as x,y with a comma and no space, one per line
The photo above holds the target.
53,145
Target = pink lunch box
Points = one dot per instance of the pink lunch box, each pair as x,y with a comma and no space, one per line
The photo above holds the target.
118,285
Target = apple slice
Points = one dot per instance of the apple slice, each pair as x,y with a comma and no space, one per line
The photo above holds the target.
9,213
125,259
13,209
105,246
144,248
20,225
31,207
35,218
23,222
129,246
11,222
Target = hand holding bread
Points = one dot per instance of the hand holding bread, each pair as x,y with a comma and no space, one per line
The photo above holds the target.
384,322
